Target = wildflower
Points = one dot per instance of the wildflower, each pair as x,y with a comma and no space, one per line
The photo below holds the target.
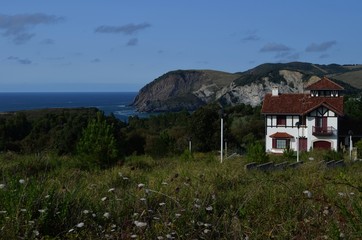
162,204
307,193
31,222
164,183
106,215
104,199
3,212
71,230
21,181
141,185
143,199
156,218
209,208
36,232
197,205
341,194
85,211
80,225
140,224
113,226
125,178
94,215
42,210
207,230
207,225
160,238
111,190
47,196
120,174
177,215
2,186
134,236
23,210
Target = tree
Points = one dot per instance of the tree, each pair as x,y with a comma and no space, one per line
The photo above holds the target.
98,143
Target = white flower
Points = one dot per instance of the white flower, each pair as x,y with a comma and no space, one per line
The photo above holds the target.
36,232
197,206
113,226
207,230
71,230
80,225
106,215
308,193
162,204
160,238
120,174
104,199
94,215
111,190
141,185
23,210
21,181
47,196
2,185
134,236
3,212
164,183
209,208
31,222
85,211
41,210
143,199
140,224
125,178
177,215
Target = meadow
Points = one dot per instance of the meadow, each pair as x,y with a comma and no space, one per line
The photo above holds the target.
45,196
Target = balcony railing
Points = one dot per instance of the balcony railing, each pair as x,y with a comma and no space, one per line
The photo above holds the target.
323,131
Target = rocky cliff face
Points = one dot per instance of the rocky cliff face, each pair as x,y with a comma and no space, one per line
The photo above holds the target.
178,90
190,89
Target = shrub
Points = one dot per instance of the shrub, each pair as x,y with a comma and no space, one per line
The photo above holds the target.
256,153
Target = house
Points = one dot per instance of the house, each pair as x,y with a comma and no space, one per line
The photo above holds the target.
308,119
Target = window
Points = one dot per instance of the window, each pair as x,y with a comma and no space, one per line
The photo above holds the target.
281,143
281,120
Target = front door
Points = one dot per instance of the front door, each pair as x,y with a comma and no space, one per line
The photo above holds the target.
303,144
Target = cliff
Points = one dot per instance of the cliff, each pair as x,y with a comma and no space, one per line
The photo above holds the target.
190,89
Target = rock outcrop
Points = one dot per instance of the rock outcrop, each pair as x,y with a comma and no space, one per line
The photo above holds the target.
190,89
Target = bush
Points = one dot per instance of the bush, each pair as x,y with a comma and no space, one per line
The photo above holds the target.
255,153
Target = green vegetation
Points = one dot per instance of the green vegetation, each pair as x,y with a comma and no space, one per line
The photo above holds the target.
78,174
47,197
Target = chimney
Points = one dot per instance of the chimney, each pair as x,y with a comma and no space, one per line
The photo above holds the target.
275,91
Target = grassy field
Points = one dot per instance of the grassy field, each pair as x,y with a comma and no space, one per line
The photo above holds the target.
50,197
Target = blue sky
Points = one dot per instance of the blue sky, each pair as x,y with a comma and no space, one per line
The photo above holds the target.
116,45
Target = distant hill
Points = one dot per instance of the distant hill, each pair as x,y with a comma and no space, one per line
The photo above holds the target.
190,89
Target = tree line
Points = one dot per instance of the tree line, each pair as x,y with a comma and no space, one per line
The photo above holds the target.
106,139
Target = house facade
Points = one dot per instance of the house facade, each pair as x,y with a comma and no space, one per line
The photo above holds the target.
303,121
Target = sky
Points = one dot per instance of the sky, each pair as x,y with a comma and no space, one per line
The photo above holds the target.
121,45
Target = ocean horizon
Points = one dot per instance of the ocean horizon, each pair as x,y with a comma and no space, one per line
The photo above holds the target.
118,103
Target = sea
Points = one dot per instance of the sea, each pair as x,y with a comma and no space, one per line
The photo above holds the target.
118,103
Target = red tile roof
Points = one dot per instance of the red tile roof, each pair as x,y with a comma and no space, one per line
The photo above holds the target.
281,135
324,84
299,104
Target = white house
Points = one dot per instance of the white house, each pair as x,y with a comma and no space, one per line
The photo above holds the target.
309,119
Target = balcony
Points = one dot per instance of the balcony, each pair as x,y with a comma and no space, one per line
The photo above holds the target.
323,131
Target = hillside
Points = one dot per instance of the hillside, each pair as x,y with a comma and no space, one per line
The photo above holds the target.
190,89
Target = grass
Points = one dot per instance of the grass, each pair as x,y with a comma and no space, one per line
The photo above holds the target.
48,197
